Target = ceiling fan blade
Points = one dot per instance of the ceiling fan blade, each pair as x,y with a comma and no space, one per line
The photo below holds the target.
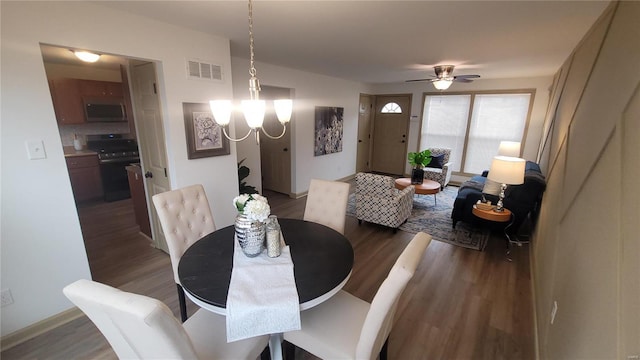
462,80
467,76
415,80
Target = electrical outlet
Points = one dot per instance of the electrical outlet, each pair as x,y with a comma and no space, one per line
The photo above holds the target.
6,298
554,311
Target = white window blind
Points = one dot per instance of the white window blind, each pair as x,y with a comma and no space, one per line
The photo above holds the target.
444,124
494,118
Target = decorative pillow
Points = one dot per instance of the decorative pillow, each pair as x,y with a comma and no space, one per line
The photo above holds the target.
491,187
436,161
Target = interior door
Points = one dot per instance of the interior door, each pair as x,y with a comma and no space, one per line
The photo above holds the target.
390,131
364,133
275,155
151,141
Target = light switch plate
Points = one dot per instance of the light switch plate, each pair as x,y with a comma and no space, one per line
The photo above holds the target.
35,150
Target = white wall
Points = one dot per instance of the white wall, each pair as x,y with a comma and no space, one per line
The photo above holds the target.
586,246
41,245
310,90
532,141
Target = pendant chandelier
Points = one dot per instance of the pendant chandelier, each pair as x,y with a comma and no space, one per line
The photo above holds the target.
254,108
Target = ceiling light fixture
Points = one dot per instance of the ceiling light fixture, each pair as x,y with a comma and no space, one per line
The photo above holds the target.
442,84
86,56
254,108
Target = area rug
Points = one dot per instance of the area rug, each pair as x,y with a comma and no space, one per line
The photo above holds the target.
435,220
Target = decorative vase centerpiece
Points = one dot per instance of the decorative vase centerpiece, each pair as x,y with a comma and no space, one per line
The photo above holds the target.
250,226
419,160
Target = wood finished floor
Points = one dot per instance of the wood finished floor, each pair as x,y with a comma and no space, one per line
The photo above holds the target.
461,304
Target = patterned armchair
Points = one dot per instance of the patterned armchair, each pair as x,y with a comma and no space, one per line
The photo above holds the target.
440,175
379,202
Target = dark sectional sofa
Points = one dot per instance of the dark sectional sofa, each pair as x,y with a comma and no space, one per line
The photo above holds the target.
520,199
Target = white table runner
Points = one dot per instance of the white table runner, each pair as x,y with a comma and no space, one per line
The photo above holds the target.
262,297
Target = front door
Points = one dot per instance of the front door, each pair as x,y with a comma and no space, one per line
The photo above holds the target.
275,155
390,129
364,133
151,140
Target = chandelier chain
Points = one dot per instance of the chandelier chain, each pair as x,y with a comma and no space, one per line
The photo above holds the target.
252,69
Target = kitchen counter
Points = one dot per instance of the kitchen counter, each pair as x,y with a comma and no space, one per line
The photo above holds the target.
70,151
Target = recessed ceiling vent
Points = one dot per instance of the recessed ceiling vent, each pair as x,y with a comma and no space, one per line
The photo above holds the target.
200,70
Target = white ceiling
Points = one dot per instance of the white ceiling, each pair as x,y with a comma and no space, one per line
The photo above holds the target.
391,41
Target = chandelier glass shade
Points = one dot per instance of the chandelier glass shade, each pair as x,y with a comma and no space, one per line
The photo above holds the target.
254,108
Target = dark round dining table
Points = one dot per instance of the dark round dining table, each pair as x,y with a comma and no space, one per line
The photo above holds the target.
322,263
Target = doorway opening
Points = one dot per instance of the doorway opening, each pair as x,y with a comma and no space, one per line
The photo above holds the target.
275,154
104,158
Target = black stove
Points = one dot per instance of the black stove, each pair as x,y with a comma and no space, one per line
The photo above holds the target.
114,153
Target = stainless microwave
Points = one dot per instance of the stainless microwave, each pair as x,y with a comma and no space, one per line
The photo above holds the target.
105,109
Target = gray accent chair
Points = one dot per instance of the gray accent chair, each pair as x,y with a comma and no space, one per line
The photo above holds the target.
439,175
379,202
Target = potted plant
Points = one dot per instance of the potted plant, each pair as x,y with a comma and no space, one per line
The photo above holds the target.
418,160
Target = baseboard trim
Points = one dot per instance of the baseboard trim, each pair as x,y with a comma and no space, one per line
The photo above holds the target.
39,328
303,194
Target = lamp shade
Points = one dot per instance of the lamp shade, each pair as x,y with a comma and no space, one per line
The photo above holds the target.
507,170
509,148
442,84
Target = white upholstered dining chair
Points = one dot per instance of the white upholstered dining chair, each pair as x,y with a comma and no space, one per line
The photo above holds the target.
346,327
185,217
140,327
327,203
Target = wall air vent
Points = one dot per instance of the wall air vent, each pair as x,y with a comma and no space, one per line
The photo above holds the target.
201,70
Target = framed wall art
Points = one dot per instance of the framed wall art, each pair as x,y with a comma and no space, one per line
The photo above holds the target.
329,125
204,136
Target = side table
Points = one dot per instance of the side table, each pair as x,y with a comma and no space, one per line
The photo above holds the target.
495,216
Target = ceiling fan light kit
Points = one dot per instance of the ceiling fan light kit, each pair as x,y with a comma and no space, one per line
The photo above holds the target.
444,77
442,84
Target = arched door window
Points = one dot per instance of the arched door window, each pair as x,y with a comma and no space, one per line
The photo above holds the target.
391,108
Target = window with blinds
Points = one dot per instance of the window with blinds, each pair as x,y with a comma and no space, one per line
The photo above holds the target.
473,124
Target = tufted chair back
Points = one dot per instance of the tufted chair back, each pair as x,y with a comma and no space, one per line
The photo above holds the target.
327,203
185,217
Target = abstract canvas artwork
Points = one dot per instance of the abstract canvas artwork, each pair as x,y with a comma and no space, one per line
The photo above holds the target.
329,124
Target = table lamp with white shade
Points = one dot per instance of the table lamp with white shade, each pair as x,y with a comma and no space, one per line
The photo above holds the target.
509,148
507,171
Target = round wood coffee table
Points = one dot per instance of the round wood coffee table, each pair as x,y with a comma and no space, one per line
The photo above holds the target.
428,187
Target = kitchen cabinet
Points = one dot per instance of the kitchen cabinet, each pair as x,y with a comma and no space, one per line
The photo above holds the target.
94,88
84,172
68,95
136,185
67,102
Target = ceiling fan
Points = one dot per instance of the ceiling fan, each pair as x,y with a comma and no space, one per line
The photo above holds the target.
444,77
